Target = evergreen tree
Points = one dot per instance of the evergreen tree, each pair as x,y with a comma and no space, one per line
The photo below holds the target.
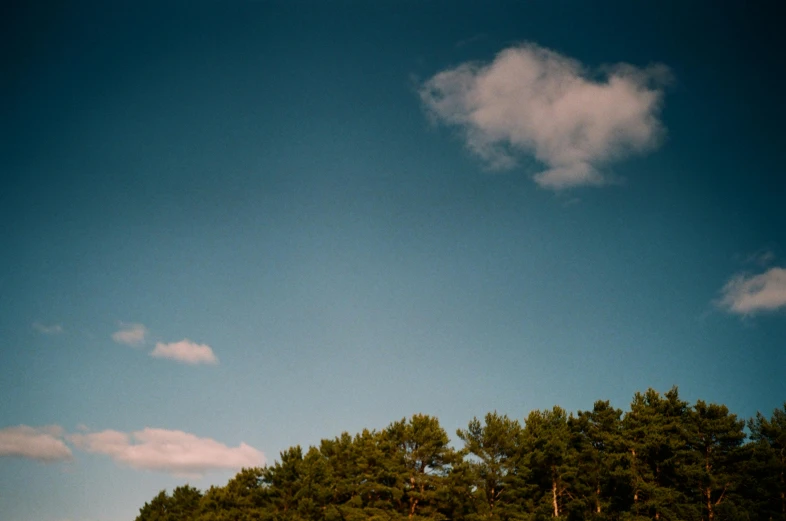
241,499
343,455
768,467
494,446
550,460
661,460
156,510
598,439
282,484
182,505
716,437
654,430
420,457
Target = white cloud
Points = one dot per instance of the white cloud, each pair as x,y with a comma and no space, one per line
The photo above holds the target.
130,334
746,294
185,351
175,452
54,329
535,102
38,443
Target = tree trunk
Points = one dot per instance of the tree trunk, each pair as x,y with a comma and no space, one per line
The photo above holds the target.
710,512
554,493
783,485
708,491
636,478
413,503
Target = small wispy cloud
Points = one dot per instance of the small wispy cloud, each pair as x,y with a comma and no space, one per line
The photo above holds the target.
532,101
748,294
471,40
171,451
130,334
38,443
760,258
185,351
48,329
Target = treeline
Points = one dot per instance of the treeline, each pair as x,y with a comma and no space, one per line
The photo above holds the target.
663,459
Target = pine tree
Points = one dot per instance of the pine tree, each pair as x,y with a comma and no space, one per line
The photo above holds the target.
597,436
550,460
654,430
494,446
715,437
661,461
420,456
769,464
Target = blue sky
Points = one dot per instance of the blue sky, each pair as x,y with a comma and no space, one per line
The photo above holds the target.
229,229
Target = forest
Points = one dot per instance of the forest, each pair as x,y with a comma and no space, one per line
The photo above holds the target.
663,459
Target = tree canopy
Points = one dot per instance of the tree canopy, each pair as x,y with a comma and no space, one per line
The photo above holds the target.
663,459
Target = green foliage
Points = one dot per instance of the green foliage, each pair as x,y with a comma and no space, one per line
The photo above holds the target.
660,460
711,472
656,442
182,505
494,449
767,486
550,459
601,457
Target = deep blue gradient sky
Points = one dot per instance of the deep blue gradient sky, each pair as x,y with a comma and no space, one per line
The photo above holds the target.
263,178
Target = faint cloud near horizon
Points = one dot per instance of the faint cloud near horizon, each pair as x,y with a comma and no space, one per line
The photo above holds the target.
171,451
534,102
44,444
130,334
53,329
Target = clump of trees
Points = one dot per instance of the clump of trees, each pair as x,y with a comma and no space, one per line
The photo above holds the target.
663,459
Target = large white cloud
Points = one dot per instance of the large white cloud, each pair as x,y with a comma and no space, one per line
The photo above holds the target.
185,351
533,101
130,334
38,443
170,451
747,294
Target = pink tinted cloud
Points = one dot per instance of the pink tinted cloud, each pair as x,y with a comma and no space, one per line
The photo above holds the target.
747,294
130,334
531,101
185,351
171,451
38,443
